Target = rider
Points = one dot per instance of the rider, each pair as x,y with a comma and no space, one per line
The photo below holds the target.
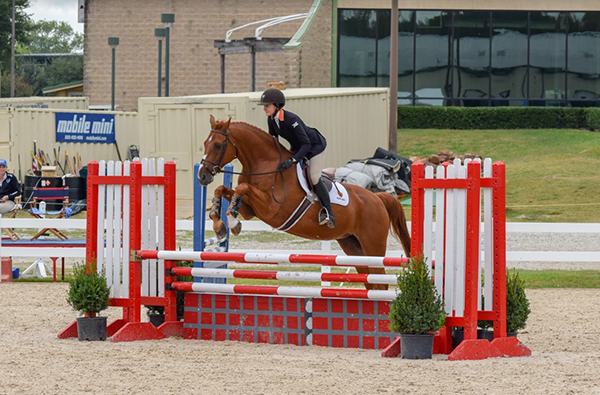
305,142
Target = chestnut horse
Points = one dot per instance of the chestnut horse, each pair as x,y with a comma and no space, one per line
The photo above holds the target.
362,227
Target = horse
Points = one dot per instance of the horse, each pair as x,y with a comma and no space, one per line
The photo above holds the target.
362,227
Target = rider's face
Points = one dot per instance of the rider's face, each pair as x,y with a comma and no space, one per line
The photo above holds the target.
270,109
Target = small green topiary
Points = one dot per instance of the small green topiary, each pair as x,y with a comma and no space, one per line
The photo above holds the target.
88,292
418,308
517,305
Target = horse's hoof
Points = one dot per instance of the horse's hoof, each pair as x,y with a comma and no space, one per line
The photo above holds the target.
222,231
237,228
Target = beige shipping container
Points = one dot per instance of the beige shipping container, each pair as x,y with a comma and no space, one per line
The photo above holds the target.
20,127
353,120
45,102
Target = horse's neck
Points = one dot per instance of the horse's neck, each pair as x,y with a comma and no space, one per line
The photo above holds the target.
256,150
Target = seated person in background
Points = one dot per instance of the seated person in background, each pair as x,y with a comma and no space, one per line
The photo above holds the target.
9,189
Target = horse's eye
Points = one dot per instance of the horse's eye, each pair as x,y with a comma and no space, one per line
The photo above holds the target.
218,146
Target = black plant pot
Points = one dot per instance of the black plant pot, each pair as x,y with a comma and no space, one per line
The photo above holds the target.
511,334
156,319
416,346
458,335
485,334
91,328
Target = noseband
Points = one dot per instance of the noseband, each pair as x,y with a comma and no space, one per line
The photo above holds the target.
216,166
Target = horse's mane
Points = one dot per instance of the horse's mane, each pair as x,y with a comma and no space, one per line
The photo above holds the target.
219,124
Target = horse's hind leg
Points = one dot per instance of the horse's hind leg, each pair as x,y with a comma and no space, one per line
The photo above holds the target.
215,211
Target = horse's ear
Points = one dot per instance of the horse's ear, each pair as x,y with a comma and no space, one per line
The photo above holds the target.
226,126
212,121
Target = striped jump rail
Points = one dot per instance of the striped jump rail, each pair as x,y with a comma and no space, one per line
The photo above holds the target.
284,276
266,258
309,292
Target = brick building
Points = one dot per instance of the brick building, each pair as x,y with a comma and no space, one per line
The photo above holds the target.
194,61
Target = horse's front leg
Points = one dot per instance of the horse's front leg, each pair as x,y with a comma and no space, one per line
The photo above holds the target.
215,212
251,194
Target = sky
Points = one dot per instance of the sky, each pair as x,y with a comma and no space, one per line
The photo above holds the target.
56,10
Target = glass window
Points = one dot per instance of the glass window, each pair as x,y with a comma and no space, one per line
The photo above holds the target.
472,57
406,45
357,59
509,58
432,59
547,57
583,69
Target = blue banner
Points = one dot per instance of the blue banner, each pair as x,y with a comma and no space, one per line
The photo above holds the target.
74,127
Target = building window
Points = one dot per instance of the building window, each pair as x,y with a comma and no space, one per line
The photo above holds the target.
475,58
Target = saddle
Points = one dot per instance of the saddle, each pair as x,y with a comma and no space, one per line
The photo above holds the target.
338,195
325,176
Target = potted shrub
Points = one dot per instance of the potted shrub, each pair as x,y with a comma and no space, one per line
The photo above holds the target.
156,315
417,312
517,305
89,294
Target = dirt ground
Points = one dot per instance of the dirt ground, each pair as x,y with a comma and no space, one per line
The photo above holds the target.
561,332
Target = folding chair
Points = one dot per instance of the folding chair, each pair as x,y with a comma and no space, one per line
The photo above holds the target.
10,231
45,194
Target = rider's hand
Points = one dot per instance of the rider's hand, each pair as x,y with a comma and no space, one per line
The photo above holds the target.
286,165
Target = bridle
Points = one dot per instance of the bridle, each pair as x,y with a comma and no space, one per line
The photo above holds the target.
216,165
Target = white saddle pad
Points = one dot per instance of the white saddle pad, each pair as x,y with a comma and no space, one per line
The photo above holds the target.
338,193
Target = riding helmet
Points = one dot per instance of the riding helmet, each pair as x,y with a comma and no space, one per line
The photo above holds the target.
272,96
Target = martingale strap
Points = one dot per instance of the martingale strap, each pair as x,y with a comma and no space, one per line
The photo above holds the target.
298,213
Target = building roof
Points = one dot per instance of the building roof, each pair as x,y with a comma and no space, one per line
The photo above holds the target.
62,87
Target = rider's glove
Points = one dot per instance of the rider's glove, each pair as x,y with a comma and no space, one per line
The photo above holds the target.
286,165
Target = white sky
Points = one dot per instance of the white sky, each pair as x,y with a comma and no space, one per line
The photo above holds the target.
55,10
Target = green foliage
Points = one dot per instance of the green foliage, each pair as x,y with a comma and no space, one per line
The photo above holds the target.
88,292
22,89
53,37
517,305
418,308
23,25
62,70
467,118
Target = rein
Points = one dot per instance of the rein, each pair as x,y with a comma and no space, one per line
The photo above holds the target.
216,166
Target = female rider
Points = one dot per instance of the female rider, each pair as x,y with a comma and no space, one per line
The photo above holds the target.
305,142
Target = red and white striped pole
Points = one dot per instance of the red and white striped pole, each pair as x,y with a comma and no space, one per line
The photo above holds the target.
267,258
302,292
286,276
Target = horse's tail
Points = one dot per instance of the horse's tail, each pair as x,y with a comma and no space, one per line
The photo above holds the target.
397,219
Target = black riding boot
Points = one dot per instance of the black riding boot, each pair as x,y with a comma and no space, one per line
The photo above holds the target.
325,214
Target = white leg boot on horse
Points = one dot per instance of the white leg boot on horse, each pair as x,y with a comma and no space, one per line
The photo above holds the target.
326,213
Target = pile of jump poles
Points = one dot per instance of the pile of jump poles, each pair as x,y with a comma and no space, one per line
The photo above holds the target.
453,212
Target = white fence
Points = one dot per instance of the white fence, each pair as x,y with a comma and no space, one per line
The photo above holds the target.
257,226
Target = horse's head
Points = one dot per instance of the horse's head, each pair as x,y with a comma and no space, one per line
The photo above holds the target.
218,151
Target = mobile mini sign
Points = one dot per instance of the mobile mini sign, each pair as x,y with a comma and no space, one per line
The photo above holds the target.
74,127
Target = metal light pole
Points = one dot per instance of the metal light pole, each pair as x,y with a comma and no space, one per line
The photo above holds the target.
393,127
167,19
160,34
113,42
12,53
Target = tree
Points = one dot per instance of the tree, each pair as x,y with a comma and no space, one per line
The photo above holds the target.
22,26
52,37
